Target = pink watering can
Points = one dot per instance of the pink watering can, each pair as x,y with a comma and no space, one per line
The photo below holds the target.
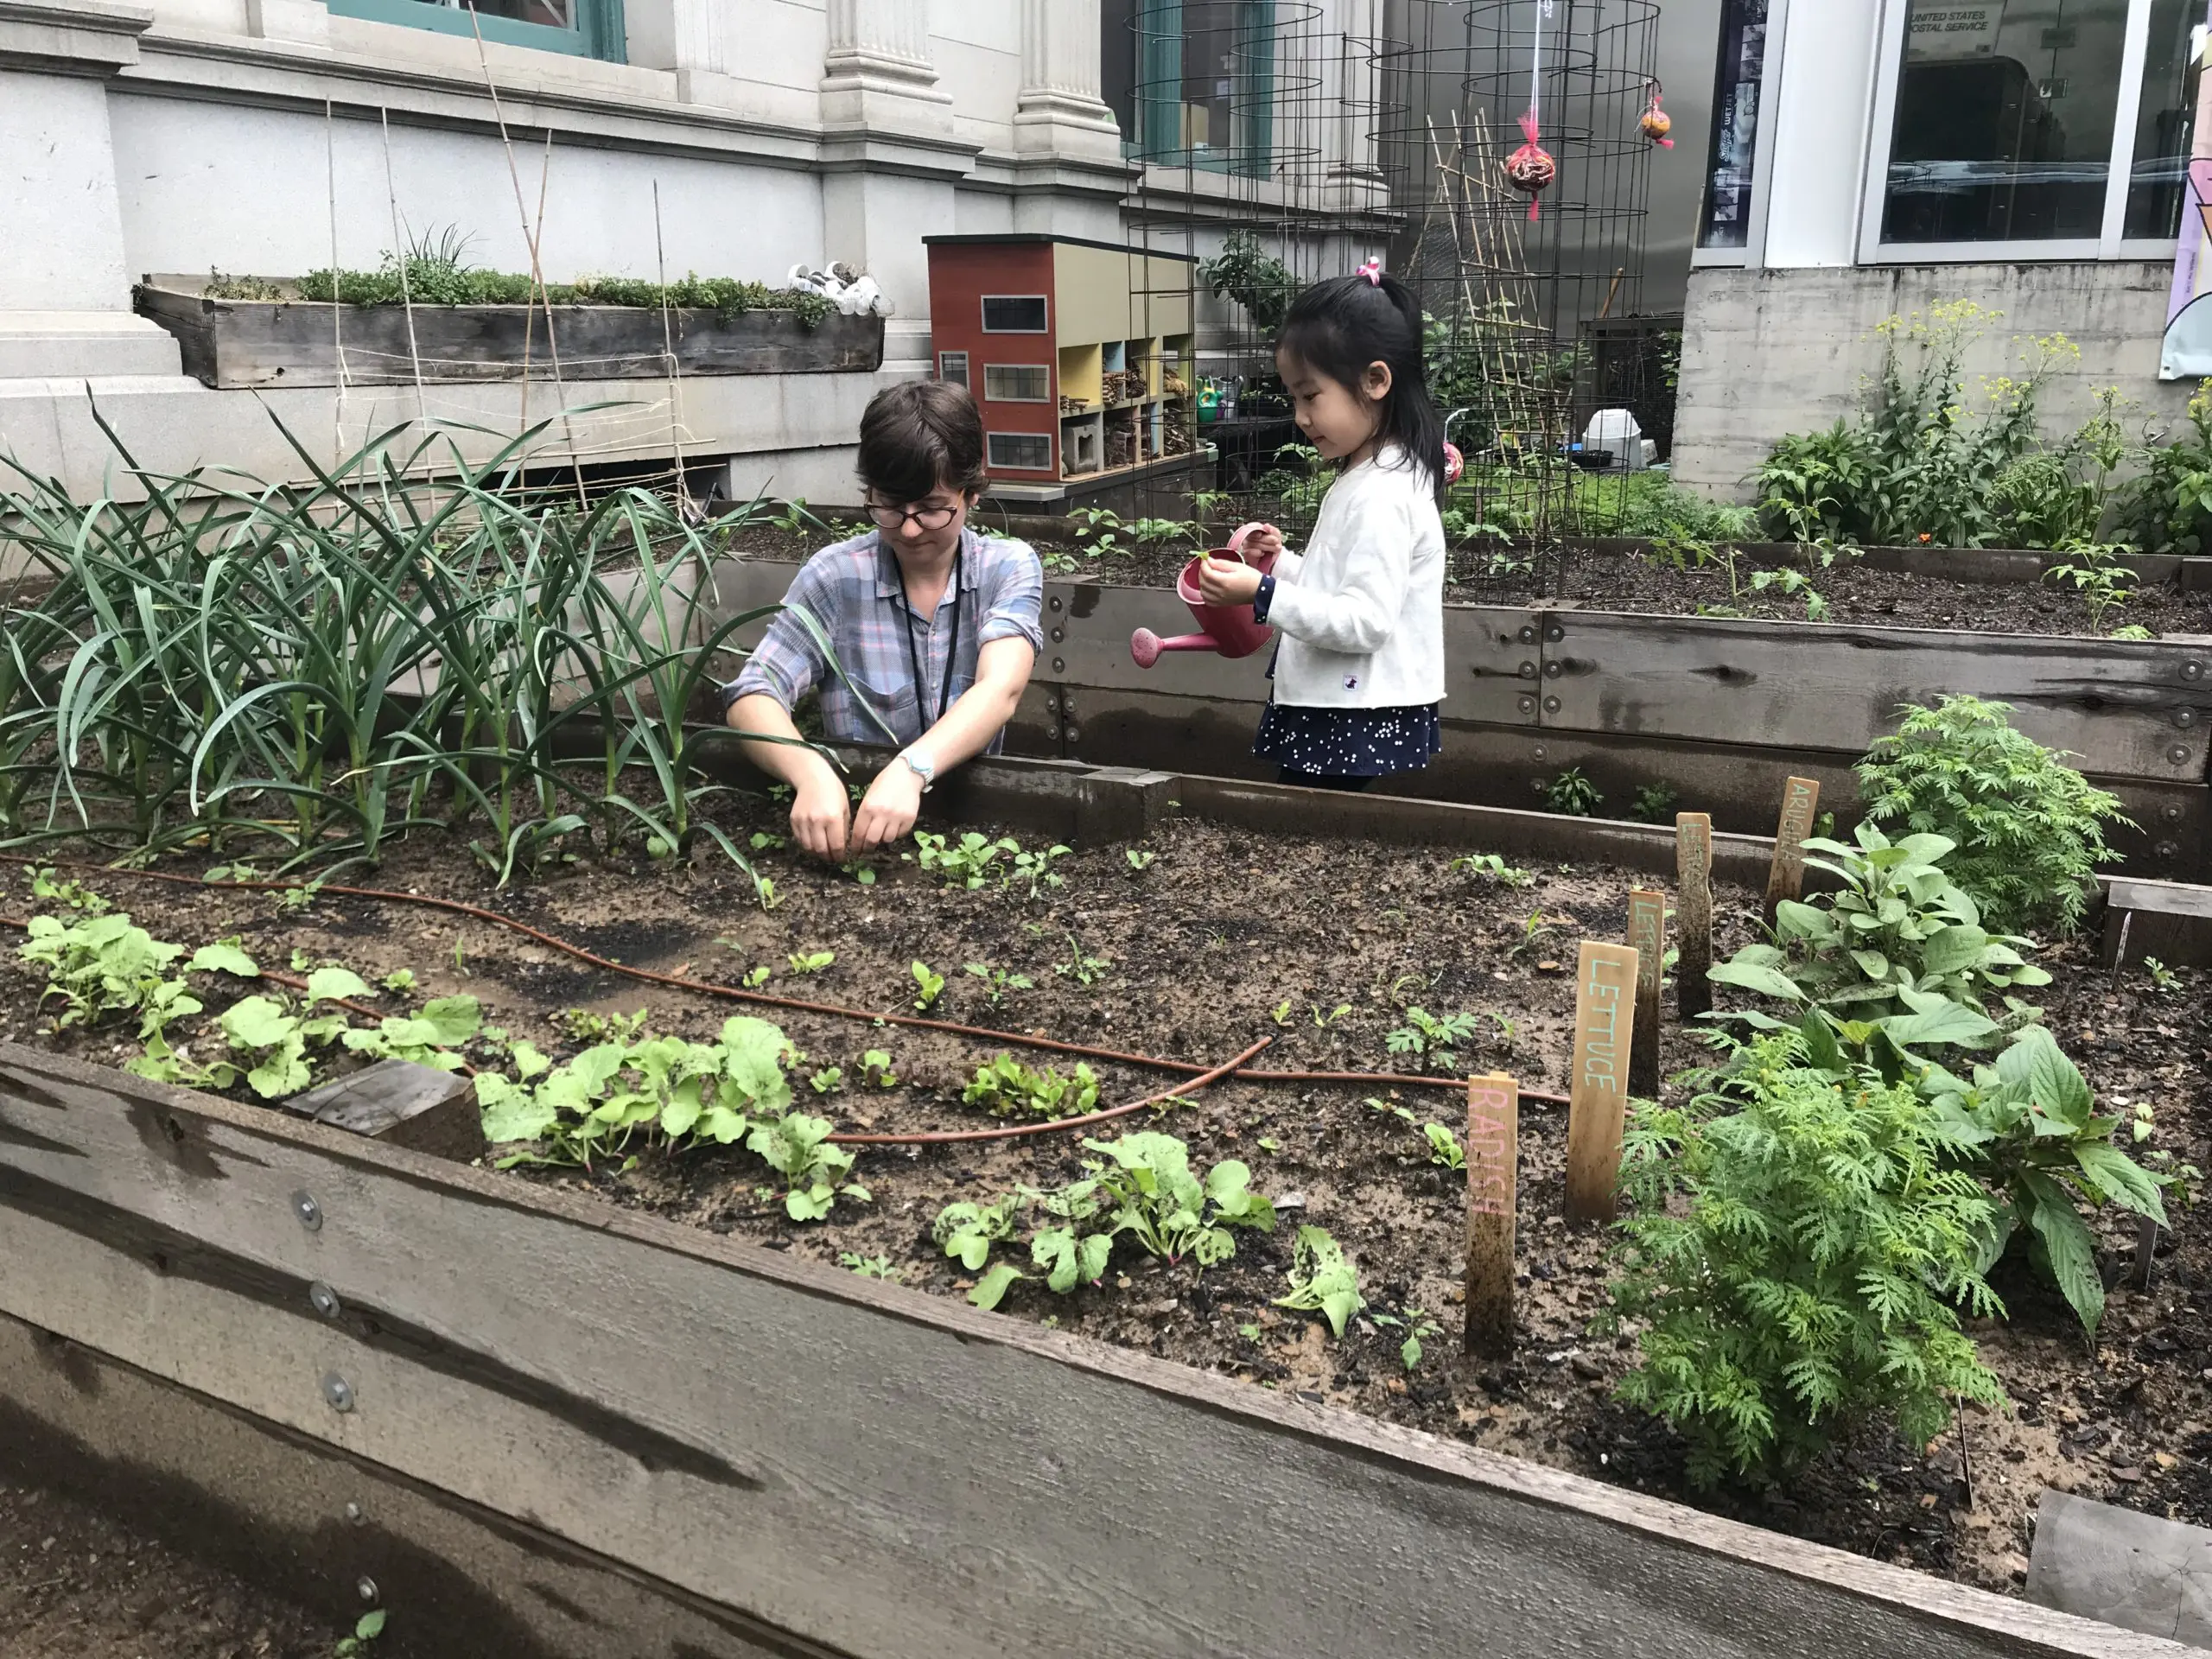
1230,629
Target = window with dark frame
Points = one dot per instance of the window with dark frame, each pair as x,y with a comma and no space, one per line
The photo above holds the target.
952,367
583,29
1022,452
1734,145
1017,383
1014,314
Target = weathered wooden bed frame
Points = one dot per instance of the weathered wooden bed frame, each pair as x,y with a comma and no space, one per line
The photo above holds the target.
530,1422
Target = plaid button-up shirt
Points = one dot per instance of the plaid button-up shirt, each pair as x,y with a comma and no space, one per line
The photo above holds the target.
853,593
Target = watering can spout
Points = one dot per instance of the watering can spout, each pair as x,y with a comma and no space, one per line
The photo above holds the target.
1232,630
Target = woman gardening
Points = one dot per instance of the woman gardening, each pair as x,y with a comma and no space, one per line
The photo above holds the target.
1359,672
936,630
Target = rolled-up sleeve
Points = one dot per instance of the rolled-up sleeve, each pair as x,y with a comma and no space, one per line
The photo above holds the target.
789,661
1013,598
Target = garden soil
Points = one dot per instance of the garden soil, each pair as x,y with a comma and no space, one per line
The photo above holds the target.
1605,579
1227,938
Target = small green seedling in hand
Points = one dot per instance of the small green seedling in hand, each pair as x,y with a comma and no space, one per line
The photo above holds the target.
1322,1281
931,986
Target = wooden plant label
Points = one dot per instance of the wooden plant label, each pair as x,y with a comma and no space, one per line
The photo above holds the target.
1493,1163
1605,1023
1647,935
1694,912
1787,878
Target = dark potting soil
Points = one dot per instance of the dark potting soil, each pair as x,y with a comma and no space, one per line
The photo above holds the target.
78,1582
1597,580
1227,938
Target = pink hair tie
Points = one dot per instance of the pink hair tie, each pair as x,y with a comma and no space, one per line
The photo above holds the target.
1372,271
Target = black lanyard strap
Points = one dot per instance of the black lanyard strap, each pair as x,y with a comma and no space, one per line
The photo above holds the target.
951,655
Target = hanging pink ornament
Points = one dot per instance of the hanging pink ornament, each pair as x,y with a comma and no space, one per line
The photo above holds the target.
1530,169
1657,123
1455,464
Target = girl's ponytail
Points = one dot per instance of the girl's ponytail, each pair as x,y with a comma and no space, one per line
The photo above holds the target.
1340,325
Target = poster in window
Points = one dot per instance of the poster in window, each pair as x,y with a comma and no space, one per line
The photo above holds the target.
2186,352
1735,125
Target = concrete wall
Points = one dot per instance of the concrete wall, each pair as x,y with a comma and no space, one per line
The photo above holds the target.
1769,352
1688,40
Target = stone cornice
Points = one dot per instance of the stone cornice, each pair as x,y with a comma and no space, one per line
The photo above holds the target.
71,37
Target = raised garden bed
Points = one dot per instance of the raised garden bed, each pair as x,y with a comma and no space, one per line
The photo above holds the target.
824,1419
1713,713
292,342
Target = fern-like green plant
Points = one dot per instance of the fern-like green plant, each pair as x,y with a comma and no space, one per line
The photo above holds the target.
2030,828
1806,1275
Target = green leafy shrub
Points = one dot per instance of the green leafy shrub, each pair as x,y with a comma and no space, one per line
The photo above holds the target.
2169,508
1147,1182
1246,272
2029,1125
2028,829
1809,1282
1899,950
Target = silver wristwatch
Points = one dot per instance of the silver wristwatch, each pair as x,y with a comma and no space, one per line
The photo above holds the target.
920,767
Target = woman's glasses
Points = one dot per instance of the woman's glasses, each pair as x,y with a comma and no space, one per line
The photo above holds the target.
894,518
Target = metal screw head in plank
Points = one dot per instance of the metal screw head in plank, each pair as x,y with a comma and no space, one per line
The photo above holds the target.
1554,633
2167,850
1059,664
1551,705
1540,751
324,1299
2192,671
1528,671
308,1212
2184,718
1075,734
366,1589
1056,604
1058,634
1528,634
1528,705
353,1515
337,1392
1554,670
2171,811
2178,754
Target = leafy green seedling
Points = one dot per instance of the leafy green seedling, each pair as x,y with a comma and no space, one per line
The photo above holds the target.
756,977
990,1290
931,986
366,1630
876,1070
1416,1324
1322,1281
1139,859
827,1080
399,982
2163,979
1086,970
871,1267
810,962
1444,1147
1007,1088
1280,1013
585,1026
1268,1143
967,1232
1323,1022
997,981
797,1146
1492,868
1157,1200
1431,1039
967,863
1036,869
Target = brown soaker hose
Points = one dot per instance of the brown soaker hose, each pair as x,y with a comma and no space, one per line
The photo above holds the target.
942,1137
733,993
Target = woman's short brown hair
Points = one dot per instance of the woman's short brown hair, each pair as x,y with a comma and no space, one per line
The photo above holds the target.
918,436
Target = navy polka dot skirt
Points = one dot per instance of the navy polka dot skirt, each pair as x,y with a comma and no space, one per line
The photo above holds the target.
1349,742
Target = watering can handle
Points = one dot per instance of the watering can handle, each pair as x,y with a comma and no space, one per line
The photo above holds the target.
1236,542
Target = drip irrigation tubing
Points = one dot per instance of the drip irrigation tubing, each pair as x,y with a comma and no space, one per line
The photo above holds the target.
943,1137
763,999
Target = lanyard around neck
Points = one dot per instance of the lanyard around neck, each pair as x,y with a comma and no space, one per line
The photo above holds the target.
952,652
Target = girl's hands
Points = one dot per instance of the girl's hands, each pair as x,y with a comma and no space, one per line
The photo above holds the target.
1264,542
1223,583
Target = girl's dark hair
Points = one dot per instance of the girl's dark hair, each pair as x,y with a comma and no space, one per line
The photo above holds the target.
1340,326
918,435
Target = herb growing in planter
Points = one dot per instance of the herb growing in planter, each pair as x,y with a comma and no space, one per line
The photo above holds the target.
2029,1125
1810,1277
2030,828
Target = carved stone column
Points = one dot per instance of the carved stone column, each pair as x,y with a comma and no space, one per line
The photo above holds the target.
877,73
1060,112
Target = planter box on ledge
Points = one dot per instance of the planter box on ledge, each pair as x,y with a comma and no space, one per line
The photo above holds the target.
238,344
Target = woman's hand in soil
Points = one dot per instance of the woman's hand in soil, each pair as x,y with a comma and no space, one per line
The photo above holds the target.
1225,582
888,810
818,814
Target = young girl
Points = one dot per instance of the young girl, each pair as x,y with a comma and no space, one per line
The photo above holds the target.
1359,670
